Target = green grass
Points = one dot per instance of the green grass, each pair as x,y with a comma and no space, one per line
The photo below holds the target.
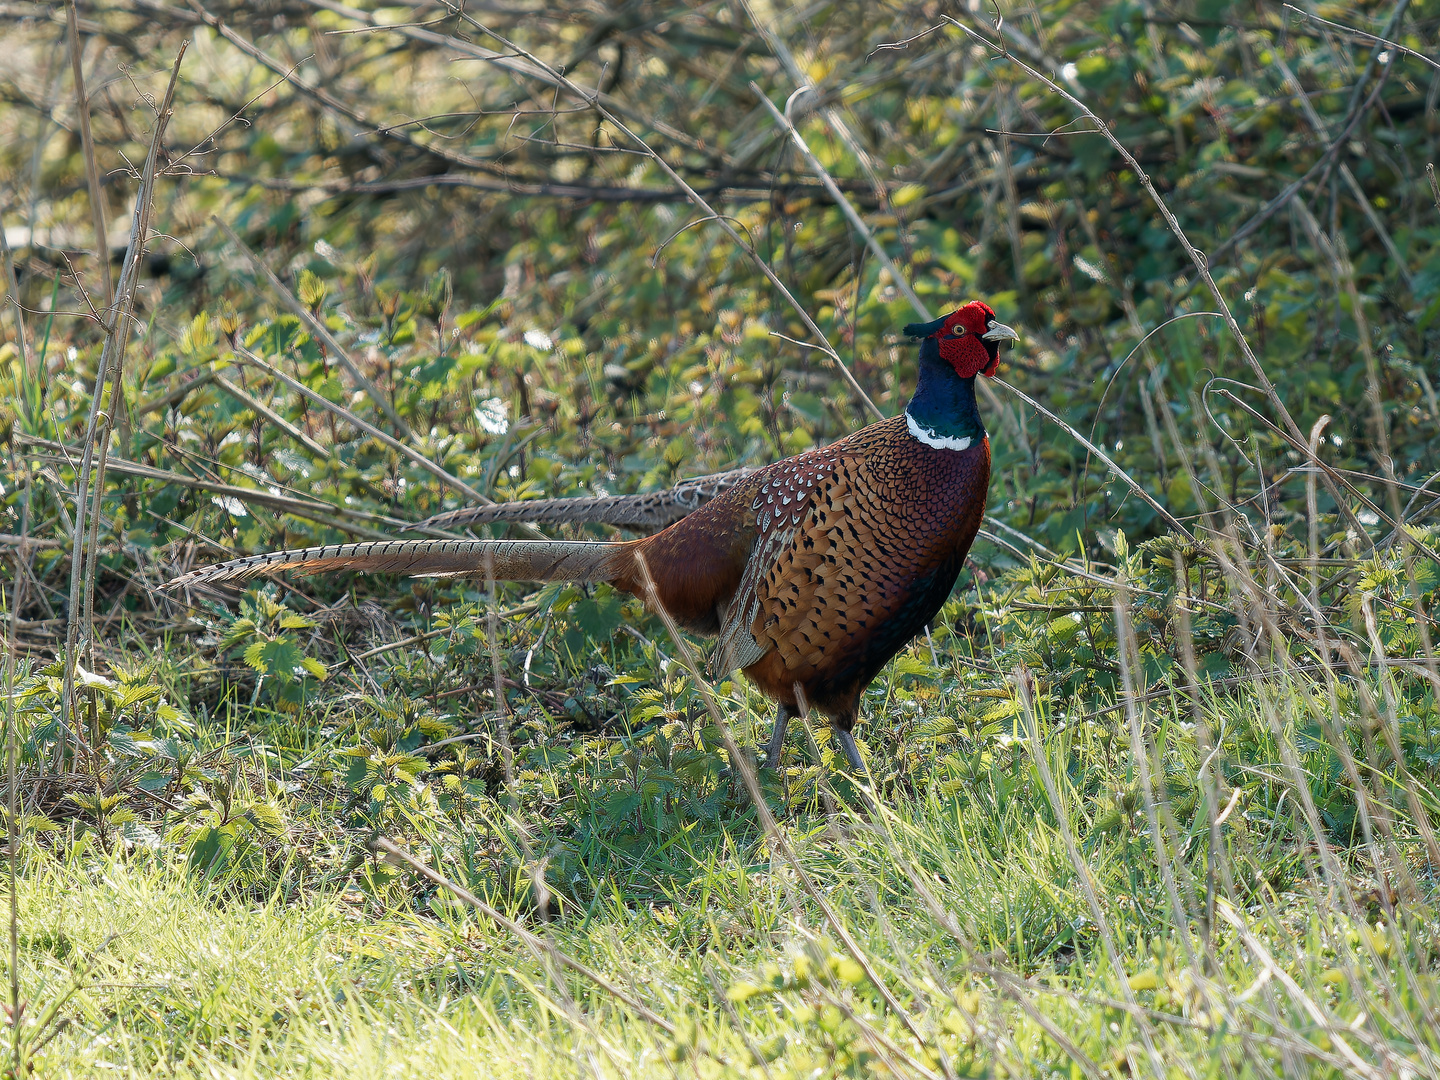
301,958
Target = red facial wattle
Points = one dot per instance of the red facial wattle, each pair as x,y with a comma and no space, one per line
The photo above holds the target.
961,344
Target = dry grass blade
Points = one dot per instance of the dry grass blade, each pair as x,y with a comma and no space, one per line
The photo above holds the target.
12,796
1334,478
1083,874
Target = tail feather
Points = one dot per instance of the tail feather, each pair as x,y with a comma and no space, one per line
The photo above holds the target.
503,560
654,509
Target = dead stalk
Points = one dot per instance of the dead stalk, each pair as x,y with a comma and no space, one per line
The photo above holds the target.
12,295
92,170
12,750
97,434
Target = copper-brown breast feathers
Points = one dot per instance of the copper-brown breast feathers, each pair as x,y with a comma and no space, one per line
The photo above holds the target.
888,516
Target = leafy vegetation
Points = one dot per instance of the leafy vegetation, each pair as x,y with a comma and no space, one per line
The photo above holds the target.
1149,798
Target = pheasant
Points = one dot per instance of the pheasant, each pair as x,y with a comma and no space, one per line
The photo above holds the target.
813,571
654,509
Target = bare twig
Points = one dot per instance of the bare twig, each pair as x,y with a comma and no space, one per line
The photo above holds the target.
1334,478
1308,108
832,116
517,65
1350,30
832,189
178,394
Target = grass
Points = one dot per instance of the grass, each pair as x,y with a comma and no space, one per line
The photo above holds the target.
307,958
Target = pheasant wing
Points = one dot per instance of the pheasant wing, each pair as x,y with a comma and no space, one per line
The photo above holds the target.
782,499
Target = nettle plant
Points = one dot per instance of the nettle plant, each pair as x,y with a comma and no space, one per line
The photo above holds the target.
264,637
383,763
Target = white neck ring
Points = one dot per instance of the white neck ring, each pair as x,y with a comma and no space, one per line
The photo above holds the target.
933,440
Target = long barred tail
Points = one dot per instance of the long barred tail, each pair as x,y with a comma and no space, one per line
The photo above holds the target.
503,560
654,509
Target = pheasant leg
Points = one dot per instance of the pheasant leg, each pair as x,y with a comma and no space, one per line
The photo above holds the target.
776,746
852,752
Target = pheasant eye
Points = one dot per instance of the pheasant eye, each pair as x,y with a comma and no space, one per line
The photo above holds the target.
958,331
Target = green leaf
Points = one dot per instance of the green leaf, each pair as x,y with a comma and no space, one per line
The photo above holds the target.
266,818
254,655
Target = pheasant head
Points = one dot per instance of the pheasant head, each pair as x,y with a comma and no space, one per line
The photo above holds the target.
968,339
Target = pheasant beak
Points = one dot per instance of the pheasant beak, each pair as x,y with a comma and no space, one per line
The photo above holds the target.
1000,332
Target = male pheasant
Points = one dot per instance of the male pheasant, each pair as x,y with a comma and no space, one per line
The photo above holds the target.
813,571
